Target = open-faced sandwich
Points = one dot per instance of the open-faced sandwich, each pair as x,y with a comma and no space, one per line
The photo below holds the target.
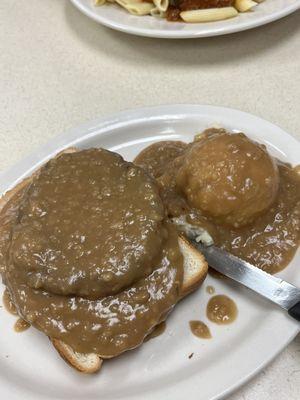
90,248
89,257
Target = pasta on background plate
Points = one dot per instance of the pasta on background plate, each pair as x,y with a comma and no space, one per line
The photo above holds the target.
186,10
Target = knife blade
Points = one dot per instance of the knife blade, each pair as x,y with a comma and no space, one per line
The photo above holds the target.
271,287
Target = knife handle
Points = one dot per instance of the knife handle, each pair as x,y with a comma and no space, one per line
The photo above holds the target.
295,311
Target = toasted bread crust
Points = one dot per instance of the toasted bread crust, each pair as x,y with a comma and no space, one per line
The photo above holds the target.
7,196
192,279
86,363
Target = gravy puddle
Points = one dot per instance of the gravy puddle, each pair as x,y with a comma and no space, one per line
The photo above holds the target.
200,329
210,289
221,310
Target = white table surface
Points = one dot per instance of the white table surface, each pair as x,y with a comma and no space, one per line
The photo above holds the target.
58,69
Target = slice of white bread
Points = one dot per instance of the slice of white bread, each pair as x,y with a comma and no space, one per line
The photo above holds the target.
195,271
195,267
86,363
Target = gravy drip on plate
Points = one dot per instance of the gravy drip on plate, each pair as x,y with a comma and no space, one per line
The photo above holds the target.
87,253
210,289
267,236
221,309
200,329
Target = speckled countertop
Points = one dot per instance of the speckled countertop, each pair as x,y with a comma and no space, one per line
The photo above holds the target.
59,69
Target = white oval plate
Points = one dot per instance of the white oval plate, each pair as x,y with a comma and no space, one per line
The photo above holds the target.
113,16
161,368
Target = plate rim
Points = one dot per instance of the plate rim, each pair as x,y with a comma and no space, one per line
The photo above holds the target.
163,34
117,120
45,151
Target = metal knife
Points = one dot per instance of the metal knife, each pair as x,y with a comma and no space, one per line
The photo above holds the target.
275,289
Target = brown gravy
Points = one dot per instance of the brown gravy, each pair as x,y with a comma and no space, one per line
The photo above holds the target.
229,186
67,258
154,158
271,241
210,289
8,304
200,329
21,325
87,253
221,310
157,331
